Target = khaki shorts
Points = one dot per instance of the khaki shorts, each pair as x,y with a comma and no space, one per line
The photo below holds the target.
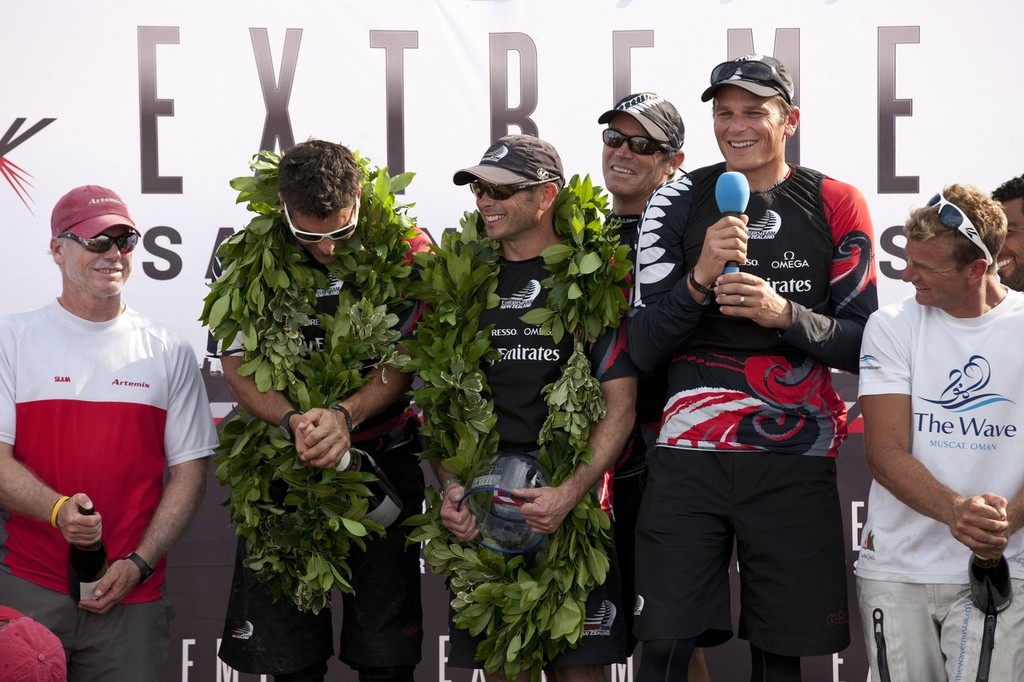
934,631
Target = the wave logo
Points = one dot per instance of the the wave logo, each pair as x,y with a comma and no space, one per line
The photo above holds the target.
967,387
869,361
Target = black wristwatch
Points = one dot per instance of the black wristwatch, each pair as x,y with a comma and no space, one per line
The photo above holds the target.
285,424
144,568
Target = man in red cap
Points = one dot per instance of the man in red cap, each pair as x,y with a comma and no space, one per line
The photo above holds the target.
97,405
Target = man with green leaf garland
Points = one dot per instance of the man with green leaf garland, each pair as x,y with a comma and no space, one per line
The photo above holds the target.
309,311
516,302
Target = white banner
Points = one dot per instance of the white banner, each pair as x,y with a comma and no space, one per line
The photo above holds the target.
165,102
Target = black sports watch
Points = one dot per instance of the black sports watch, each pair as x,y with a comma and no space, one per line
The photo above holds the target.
144,568
285,424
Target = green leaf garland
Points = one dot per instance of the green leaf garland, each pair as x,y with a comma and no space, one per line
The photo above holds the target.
300,523
528,611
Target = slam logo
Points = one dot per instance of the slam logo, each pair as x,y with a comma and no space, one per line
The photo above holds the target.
16,176
967,386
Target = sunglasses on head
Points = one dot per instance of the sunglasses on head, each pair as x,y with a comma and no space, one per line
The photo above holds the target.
343,232
101,243
955,219
502,192
749,70
638,144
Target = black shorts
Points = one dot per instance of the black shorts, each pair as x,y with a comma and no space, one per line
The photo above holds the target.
382,622
782,512
604,635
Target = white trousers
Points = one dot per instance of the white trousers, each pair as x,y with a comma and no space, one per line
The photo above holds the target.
933,632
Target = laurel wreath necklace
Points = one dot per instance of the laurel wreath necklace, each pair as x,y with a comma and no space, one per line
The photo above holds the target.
300,523
527,610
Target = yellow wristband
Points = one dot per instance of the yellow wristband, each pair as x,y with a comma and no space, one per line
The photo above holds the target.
56,509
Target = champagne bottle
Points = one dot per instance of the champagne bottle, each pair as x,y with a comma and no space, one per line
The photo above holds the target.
86,565
385,504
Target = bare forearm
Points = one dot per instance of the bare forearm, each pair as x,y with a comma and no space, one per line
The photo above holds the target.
186,485
386,386
608,436
913,484
269,406
21,491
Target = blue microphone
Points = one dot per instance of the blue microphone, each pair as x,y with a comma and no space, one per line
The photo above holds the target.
732,192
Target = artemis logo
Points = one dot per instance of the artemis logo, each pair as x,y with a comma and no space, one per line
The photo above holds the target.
16,176
129,384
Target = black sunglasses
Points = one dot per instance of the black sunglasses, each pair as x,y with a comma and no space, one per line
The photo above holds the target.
502,192
955,219
749,70
101,243
638,144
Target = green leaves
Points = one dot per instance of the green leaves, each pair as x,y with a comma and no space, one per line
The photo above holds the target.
300,523
588,269
527,615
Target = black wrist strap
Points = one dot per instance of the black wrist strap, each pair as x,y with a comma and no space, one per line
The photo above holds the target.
346,414
286,423
698,286
144,568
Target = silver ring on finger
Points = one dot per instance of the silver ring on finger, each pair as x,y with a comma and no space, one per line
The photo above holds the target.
742,299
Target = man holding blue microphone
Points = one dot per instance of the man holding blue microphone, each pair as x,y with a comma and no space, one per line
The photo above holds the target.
755,277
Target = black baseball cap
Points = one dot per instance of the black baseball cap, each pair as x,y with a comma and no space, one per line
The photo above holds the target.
512,159
655,113
757,73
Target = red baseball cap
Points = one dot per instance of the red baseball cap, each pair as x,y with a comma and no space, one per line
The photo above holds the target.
28,651
88,210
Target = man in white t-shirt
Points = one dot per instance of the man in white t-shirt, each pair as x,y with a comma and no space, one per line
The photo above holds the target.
940,391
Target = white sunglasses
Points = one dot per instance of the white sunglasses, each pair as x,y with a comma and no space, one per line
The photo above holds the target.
315,237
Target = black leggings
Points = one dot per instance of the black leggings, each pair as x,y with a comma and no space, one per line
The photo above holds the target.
666,660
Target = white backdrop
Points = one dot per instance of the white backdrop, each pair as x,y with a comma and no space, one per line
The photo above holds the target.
164,103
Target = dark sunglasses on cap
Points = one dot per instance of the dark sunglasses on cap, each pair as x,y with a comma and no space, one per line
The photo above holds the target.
752,70
343,232
638,144
955,219
502,192
101,243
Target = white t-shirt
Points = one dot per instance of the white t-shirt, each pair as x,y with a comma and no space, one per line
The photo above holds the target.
966,382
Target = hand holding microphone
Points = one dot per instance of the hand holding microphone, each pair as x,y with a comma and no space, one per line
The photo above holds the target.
732,192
